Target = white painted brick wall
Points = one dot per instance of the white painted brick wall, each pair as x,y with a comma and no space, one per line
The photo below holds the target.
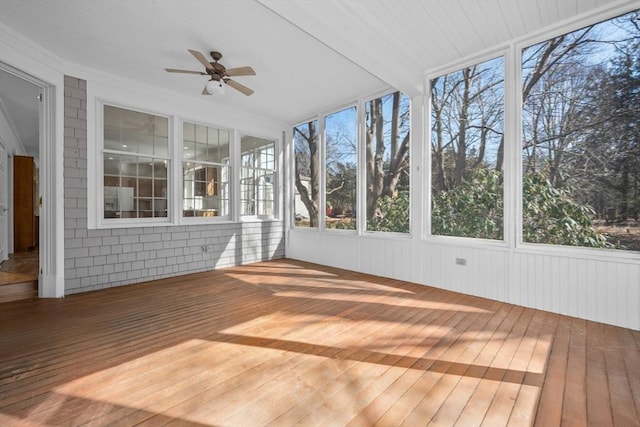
97,259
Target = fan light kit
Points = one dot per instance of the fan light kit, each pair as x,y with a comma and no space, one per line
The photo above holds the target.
215,87
219,75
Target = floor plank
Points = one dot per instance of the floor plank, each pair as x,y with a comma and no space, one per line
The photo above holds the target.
287,342
574,409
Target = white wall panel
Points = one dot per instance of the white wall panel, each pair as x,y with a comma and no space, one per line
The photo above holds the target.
604,290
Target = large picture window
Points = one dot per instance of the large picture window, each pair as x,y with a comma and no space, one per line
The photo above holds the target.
581,137
467,152
387,141
257,176
205,171
136,162
306,174
341,161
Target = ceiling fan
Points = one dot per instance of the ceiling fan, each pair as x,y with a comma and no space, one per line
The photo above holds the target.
218,73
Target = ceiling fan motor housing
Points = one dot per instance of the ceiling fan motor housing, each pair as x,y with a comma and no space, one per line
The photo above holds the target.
219,76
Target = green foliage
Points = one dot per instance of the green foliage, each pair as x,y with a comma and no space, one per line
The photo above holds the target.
393,214
474,208
552,217
345,224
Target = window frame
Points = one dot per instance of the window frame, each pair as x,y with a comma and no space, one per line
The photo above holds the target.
361,225
181,219
99,153
292,215
95,166
322,163
363,160
276,178
509,151
518,46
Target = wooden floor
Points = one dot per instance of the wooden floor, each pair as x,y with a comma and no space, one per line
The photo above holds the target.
19,277
22,263
285,342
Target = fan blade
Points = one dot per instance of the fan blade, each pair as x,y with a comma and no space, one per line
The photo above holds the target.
237,86
205,92
240,71
200,57
173,70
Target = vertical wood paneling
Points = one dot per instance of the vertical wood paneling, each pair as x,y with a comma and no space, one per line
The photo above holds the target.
574,304
504,279
548,13
517,285
413,33
483,18
633,294
529,16
607,289
567,8
528,298
567,301
525,263
559,289
586,5
430,266
582,296
601,290
546,298
584,288
535,297
535,276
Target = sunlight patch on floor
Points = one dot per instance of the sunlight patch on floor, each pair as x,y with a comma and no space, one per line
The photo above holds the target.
233,379
388,300
214,382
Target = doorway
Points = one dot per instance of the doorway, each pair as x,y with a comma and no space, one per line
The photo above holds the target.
21,137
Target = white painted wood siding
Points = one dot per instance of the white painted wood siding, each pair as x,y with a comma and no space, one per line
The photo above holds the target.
603,290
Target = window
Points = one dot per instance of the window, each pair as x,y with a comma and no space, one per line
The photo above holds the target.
467,146
387,149
306,174
257,176
341,160
136,162
580,137
205,171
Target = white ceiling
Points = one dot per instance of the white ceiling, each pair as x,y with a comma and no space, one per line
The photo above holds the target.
18,101
309,55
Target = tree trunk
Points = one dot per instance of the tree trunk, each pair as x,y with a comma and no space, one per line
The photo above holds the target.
461,143
375,175
310,198
438,173
500,156
399,150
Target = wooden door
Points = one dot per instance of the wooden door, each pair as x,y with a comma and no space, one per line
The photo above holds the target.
24,233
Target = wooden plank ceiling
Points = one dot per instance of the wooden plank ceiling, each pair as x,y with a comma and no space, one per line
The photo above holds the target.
399,40
309,55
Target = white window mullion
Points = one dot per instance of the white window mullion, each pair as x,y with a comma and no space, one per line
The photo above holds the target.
322,174
419,176
512,148
175,172
361,171
234,175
